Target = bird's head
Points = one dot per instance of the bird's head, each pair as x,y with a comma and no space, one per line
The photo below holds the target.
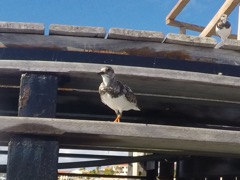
224,18
107,74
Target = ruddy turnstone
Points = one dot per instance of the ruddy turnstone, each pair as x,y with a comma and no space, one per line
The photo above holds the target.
115,94
223,29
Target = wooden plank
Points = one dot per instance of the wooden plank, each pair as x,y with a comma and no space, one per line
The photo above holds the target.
127,135
188,26
33,157
120,47
177,9
168,94
190,40
21,27
238,31
231,44
81,31
226,8
138,35
171,81
81,68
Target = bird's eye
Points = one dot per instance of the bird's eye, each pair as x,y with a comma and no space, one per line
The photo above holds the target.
107,70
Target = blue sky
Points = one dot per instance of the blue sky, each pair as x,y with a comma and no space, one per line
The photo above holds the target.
132,14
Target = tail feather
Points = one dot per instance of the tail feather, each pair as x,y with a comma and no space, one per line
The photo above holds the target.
137,108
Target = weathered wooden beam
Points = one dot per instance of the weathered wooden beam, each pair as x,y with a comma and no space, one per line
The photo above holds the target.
65,44
177,9
171,82
226,8
32,157
81,31
190,40
38,95
128,135
168,94
232,44
238,32
188,26
137,35
21,27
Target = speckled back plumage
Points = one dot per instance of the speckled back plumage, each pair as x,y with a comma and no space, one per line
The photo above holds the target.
115,94
118,89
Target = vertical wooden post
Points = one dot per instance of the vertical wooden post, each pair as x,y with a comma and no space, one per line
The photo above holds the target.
182,30
166,170
152,170
238,34
35,157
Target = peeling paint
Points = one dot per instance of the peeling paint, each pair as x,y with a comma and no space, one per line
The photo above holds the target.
24,97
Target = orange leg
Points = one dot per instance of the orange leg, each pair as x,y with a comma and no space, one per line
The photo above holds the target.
117,118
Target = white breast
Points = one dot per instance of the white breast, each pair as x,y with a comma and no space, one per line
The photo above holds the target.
223,33
120,103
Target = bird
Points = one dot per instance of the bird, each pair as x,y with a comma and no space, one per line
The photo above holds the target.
223,30
116,95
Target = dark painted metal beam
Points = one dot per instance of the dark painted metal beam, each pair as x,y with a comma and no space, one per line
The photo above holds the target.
152,170
34,157
101,175
225,68
109,161
210,167
166,170
90,156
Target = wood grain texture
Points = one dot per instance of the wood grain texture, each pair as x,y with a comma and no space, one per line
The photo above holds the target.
21,27
177,9
81,31
138,35
231,44
190,40
122,47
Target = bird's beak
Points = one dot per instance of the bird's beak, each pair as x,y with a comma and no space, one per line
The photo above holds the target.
100,73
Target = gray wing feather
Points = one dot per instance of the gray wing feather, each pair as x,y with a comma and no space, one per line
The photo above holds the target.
118,89
130,95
